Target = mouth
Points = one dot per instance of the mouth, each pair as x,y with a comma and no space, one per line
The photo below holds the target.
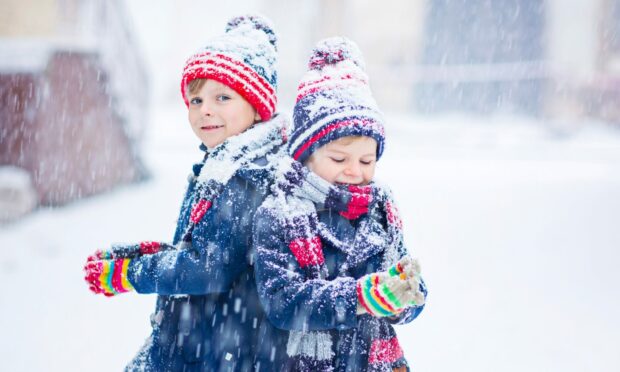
209,127
361,182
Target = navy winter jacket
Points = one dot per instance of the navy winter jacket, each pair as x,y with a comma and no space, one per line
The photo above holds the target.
208,316
293,301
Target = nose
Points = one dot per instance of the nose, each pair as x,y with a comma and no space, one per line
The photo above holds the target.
205,109
353,170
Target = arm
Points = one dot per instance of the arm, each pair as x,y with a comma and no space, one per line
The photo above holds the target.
169,272
218,253
186,271
216,257
291,300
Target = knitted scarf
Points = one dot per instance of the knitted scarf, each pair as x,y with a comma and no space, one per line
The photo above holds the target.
295,196
219,165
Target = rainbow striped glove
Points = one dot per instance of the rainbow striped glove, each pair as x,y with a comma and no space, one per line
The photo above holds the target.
108,277
129,250
406,268
381,294
389,293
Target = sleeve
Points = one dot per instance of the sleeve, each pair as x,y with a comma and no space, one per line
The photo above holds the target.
184,271
217,256
290,299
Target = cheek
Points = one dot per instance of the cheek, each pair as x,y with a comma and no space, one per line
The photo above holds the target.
194,116
334,172
241,121
369,173
240,125
326,172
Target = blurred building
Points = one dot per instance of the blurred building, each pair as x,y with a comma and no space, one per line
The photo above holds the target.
73,99
388,32
583,51
557,58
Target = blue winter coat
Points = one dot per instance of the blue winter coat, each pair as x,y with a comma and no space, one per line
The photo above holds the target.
208,316
294,301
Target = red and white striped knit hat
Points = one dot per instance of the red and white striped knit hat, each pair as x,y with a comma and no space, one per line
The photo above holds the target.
244,59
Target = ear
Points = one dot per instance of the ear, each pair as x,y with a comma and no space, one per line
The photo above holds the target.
257,117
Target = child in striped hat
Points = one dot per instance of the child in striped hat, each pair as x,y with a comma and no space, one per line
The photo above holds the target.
208,316
331,265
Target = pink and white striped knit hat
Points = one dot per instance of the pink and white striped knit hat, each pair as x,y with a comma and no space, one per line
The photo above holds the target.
244,59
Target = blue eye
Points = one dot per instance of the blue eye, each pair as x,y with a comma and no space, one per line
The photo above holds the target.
223,98
195,101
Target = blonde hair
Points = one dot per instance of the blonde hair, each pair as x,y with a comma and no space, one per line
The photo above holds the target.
195,85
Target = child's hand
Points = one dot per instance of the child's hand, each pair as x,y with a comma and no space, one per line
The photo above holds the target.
129,251
382,294
407,291
389,293
107,277
100,255
407,267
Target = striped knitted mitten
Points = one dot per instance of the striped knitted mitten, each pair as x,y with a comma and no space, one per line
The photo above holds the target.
409,269
108,277
389,293
129,250
406,268
382,294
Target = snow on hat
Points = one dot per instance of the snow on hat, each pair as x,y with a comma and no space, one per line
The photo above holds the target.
244,59
334,100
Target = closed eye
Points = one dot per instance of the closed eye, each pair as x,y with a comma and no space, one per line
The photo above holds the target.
367,162
337,160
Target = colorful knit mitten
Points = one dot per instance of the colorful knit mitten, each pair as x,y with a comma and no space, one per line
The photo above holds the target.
108,277
129,251
389,293
407,267
381,294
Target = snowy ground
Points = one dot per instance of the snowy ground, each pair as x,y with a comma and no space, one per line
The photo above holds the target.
515,226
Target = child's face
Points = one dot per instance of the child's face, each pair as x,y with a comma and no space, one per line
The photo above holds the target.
217,112
349,160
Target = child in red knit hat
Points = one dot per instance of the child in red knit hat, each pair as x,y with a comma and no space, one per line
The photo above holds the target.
208,316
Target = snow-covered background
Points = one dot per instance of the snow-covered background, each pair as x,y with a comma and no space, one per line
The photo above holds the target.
515,225
515,222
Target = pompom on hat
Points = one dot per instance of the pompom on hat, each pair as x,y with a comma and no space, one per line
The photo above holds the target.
244,59
334,100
